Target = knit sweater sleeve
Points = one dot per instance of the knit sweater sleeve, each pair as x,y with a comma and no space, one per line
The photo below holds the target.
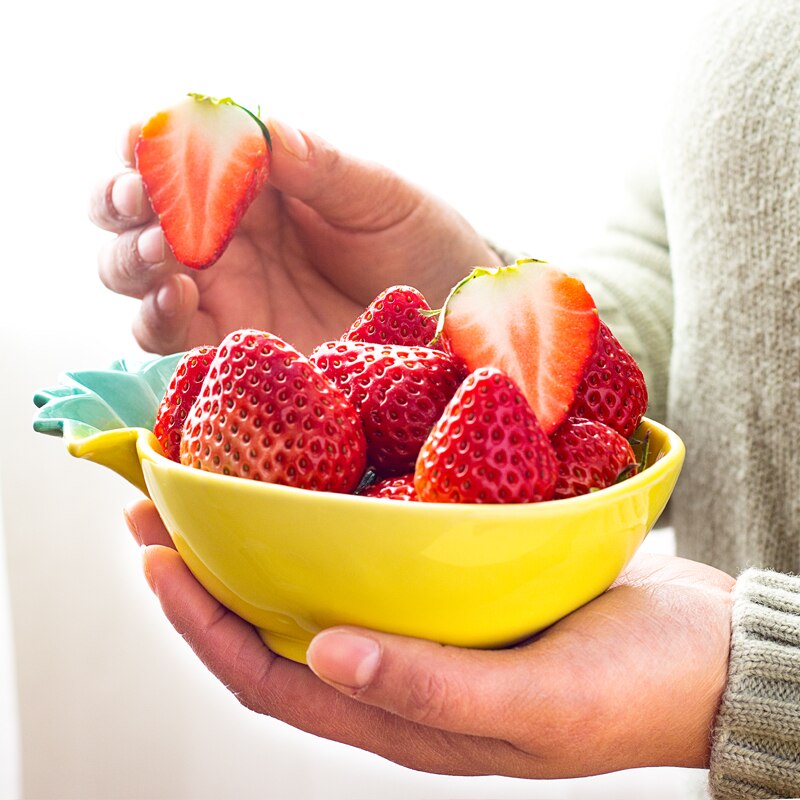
756,749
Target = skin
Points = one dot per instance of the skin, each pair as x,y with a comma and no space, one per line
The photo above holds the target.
632,679
326,235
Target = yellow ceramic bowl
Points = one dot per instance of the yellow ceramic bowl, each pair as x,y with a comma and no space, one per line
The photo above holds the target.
293,562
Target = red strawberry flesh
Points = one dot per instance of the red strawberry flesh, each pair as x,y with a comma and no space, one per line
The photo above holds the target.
202,163
531,321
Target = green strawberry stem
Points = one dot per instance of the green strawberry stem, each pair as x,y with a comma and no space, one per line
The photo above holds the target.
643,446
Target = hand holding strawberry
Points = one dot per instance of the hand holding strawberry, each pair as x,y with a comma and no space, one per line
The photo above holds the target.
322,238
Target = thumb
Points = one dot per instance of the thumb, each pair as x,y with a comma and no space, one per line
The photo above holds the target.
464,691
345,191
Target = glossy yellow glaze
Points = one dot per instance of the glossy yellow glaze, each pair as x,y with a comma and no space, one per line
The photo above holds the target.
293,562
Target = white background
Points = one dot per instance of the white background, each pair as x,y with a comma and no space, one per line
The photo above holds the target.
522,115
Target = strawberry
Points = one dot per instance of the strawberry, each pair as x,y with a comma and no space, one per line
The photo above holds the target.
612,389
529,320
266,412
401,488
179,397
488,447
399,392
202,162
590,456
394,317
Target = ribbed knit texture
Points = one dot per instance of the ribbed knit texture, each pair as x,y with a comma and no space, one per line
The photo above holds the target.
758,727
714,320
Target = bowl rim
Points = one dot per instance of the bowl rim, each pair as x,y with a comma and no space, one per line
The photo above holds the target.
671,456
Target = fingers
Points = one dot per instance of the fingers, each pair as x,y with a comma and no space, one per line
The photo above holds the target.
135,261
465,691
138,264
268,684
165,315
346,192
145,524
128,143
121,203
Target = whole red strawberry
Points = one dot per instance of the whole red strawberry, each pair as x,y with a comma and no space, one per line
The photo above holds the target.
399,392
488,447
266,412
590,456
612,389
395,316
401,488
179,397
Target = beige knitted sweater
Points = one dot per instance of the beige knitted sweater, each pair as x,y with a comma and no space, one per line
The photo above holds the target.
700,277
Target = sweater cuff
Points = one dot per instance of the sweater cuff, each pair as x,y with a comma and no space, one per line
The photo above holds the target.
756,746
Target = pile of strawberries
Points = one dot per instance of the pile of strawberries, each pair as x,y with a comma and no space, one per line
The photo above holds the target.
515,392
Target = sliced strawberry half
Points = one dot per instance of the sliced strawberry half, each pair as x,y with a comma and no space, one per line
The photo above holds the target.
202,162
530,320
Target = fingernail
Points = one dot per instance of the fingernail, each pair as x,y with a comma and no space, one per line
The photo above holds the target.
131,526
150,245
344,658
127,195
291,139
168,297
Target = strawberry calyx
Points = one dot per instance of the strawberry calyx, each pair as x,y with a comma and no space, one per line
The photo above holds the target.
229,101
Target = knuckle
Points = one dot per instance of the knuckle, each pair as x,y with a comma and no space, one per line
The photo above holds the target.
100,208
427,697
121,268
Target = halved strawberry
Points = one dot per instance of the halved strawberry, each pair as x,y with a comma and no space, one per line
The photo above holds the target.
179,398
590,456
530,320
395,317
612,390
265,412
202,162
401,488
488,447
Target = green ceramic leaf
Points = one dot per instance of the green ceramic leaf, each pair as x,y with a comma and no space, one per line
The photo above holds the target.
85,402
